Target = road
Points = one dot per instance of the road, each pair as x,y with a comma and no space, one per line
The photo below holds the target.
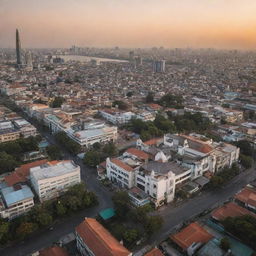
46,238
172,216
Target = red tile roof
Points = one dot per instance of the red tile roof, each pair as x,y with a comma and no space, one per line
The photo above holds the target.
99,240
155,106
193,233
53,251
198,145
247,196
152,141
230,210
154,252
121,164
138,153
22,172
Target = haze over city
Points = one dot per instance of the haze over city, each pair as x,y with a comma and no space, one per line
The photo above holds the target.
129,23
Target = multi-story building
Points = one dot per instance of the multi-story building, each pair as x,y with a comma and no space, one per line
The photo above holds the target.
8,132
160,179
92,239
95,132
116,117
122,170
15,201
26,129
53,178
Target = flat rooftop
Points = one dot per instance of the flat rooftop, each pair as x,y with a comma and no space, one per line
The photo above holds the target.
47,170
12,195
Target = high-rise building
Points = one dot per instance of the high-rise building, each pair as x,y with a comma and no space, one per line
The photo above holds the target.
18,48
29,62
158,66
131,56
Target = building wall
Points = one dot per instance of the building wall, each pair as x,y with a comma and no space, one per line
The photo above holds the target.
52,187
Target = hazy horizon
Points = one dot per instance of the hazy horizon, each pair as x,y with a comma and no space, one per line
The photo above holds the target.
223,24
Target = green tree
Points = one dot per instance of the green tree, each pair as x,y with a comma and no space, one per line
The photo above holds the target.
60,209
121,104
224,244
131,235
54,152
246,161
216,181
110,149
57,102
121,202
92,158
4,230
129,94
153,224
7,162
245,147
150,97
44,219
171,101
25,229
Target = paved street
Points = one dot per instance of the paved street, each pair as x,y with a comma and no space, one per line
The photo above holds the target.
173,216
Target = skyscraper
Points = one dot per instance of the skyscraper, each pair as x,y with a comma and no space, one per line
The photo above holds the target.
18,48
158,66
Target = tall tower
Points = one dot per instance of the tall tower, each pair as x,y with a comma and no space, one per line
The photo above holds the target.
18,48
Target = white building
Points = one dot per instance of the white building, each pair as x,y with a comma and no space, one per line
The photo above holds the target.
15,201
94,132
159,180
26,129
122,171
53,178
116,117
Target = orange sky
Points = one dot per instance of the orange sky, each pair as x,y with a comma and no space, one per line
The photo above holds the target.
129,23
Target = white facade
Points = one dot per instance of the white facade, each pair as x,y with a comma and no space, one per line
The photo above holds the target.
50,180
117,118
88,137
161,184
15,202
120,173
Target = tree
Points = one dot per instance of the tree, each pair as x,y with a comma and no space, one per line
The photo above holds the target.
110,149
54,152
150,97
57,102
60,209
131,235
70,145
164,124
4,229
121,202
92,158
7,162
245,147
44,219
224,244
216,181
171,101
246,161
26,228
121,104
153,224
129,94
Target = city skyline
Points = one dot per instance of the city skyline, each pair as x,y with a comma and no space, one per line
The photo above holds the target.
102,23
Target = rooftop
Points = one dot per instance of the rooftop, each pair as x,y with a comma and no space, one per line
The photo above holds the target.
248,196
99,240
12,195
154,252
193,233
53,251
53,169
230,210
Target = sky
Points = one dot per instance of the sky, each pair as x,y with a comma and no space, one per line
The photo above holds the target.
129,23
